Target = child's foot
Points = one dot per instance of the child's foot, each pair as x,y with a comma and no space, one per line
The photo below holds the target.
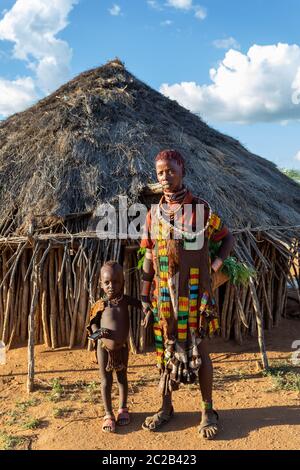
109,423
209,424
123,417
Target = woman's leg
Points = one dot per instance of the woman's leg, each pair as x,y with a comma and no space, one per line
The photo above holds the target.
208,426
205,373
162,416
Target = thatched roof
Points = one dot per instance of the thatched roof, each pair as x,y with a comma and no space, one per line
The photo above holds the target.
95,138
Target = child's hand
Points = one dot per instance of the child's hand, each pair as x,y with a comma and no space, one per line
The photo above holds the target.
106,333
145,321
99,333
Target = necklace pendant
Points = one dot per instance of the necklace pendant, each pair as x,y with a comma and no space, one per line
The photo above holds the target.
195,243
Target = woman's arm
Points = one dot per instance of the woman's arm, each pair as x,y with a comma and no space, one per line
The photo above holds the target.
147,278
224,251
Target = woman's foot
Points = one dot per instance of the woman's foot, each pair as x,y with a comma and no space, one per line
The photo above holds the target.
155,422
208,428
123,417
109,423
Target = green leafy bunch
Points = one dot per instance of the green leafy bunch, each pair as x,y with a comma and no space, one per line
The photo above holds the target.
238,273
141,256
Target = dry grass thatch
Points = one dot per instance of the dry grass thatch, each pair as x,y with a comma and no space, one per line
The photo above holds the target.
95,138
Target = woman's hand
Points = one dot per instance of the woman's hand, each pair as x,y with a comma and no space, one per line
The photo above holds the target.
217,264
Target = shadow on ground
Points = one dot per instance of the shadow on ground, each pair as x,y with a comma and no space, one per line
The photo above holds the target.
233,424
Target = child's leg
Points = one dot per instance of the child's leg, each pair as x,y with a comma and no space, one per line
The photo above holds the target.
123,387
123,416
106,380
122,379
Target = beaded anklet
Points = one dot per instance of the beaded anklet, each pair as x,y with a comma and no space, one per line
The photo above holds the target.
207,405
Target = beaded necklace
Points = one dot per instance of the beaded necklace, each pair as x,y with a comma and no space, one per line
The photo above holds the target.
178,197
175,197
175,229
113,302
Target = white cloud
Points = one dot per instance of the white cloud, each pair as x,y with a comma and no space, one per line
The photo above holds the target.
16,95
154,4
166,23
182,4
297,156
115,10
199,12
296,89
260,86
32,25
226,43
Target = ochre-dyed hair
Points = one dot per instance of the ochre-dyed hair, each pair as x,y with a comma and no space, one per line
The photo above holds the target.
171,155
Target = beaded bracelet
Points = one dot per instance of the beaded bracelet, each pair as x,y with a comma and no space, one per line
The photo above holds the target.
146,310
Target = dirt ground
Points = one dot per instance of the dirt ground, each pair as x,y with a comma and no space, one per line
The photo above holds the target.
65,410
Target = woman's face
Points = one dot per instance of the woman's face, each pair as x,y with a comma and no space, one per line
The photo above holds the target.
169,175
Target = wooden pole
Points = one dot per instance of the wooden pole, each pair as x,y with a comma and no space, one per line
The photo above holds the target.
53,306
25,298
127,290
61,301
1,298
260,327
229,316
225,310
44,301
34,299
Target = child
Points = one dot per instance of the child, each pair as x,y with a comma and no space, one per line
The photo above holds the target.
109,327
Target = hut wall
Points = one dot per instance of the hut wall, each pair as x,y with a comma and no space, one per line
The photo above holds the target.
68,283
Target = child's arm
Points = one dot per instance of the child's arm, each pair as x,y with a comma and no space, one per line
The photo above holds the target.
146,311
95,316
147,316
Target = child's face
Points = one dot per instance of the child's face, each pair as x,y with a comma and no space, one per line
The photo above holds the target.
112,282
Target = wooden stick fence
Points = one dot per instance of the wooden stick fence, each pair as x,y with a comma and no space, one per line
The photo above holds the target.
48,285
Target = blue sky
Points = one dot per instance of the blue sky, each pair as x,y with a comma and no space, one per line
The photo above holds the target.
237,64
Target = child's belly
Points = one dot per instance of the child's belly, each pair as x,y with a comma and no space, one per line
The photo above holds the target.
111,344
119,329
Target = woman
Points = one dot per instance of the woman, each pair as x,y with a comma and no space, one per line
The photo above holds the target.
184,309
